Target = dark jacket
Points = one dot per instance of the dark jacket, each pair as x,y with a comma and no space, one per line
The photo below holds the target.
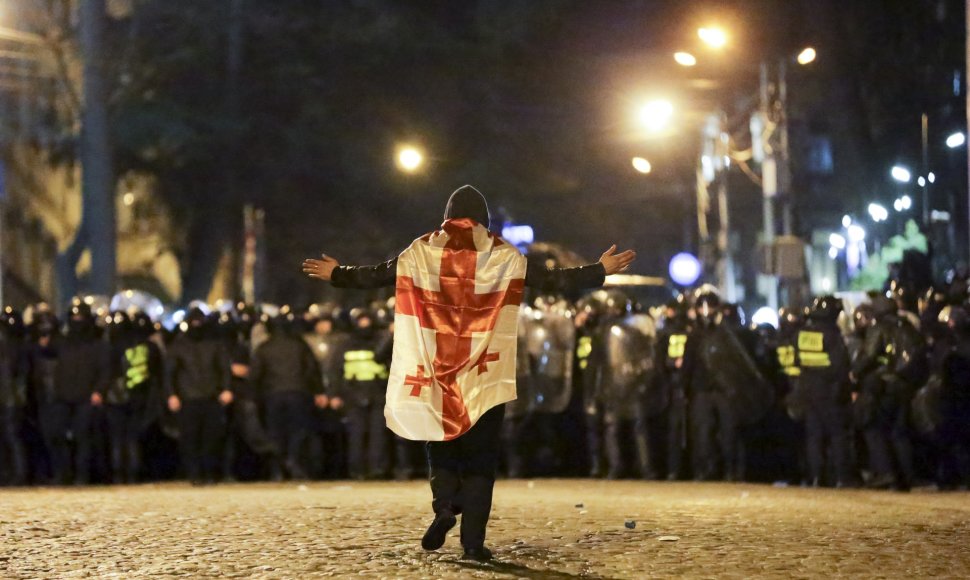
824,362
83,368
550,281
196,368
284,363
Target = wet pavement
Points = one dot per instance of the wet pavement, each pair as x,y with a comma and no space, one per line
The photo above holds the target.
539,529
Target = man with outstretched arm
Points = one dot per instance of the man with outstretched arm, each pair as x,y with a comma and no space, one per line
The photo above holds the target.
453,367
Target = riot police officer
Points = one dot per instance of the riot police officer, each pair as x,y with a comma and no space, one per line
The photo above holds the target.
587,363
363,390
284,371
671,348
13,456
824,363
887,369
135,385
197,381
327,445
78,366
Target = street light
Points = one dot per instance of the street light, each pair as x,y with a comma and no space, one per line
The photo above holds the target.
713,37
901,174
685,59
656,115
642,165
878,213
806,56
409,158
956,140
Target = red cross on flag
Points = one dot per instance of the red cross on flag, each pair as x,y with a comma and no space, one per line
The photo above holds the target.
455,327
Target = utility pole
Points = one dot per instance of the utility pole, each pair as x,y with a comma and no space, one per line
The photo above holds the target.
769,188
97,175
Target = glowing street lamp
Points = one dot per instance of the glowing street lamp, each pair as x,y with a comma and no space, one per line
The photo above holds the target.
642,165
956,140
409,159
901,174
656,115
806,56
878,213
713,37
685,59
837,241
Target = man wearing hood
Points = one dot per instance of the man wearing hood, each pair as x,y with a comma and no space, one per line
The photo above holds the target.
463,468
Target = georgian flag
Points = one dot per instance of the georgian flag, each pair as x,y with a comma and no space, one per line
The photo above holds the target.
455,331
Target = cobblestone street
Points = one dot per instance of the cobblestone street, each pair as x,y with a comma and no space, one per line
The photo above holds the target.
540,529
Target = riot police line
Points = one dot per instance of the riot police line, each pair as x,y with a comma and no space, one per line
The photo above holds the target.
879,396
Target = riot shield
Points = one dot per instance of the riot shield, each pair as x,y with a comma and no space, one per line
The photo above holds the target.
547,341
736,375
629,344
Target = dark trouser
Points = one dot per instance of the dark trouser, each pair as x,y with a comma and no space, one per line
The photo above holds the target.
593,417
827,428
675,427
246,427
57,420
12,446
367,431
202,430
125,425
463,475
713,417
889,445
288,419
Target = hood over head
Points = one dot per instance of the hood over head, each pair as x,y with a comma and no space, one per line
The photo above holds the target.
467,202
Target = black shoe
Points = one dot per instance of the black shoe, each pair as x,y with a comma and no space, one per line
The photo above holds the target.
481,554
434,538
882,482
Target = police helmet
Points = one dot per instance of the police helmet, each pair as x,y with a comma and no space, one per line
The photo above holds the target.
955,317
789,319
707,302
827,307
11,322
862,317
882,306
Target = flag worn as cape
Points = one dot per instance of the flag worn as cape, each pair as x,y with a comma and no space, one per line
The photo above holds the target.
455,331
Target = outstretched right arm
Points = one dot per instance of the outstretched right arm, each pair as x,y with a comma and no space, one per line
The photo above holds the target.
360,277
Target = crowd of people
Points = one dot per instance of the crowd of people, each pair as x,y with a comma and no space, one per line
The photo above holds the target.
878,396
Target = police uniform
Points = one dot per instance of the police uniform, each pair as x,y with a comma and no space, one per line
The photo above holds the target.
363,385
671,348
824,379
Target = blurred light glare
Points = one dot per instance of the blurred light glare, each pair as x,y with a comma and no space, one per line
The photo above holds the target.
712,36
409,159
685,59
856,233
684,269
129,198
833,253
900,173
837,241
906,202
807,56
878,213
765,315
642,165
956,140
656,115
921,181
846,221
931,177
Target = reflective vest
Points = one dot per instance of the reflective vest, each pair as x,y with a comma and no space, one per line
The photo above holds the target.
583,350
676,346
359,365
786,359
811,350
138,371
